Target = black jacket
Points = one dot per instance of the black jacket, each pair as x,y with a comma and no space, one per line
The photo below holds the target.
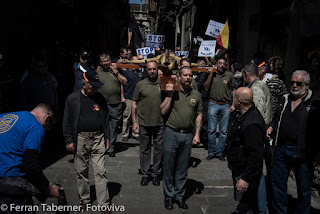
307,145
72,112
245,147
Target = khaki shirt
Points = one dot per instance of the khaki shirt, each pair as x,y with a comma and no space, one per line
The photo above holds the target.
184,109
148,96
111,89
221,86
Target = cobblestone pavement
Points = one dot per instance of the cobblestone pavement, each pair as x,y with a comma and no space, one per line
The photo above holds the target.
209,184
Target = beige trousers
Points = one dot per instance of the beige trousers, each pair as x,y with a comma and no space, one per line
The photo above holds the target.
127,120
95,148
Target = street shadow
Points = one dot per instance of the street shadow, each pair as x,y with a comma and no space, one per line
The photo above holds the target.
194,162
53,147
193,187
121,146
113,189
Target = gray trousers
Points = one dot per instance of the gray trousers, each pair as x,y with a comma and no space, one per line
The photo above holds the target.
176,153
146,134
114,116
93,148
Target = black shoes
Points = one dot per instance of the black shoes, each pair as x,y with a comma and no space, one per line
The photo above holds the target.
112,154
168,203
145,181
156,181
182,204
221,158
210,157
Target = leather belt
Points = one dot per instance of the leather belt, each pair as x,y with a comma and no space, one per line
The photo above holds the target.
219,103
183,131
90,134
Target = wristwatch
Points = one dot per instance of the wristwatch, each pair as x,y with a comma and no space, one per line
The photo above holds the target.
116,74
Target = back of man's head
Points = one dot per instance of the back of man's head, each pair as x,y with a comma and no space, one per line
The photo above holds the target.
44,114
252,70
245,95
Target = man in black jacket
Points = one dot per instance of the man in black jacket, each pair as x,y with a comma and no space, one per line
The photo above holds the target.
245,151
84,126
295,126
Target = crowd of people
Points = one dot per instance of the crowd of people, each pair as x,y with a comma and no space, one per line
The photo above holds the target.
247,116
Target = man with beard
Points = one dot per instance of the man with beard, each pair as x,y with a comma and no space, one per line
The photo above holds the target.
245,151
111,90
182,109
296,126
85,129
219,84
147,97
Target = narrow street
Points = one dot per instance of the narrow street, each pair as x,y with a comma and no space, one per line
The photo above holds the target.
209,185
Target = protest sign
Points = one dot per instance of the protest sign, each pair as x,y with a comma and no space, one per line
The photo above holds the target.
214,28
154,41
145,51
208,48
182,53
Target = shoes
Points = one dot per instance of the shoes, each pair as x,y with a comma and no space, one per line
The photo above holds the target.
112,154
136,138
144,181
156,181
182,204
83,206
168,203
221,158
210,157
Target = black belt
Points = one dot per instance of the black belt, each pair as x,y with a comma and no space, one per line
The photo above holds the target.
90,134
185,131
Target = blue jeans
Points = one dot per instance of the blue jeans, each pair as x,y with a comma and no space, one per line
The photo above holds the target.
217,113
283,162
262,196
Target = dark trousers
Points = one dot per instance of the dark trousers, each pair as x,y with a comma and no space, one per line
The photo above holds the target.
146,134
5,203
114,116
176,153
269,153
283,162
248,200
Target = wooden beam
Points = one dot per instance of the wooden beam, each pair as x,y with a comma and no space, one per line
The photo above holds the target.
134,66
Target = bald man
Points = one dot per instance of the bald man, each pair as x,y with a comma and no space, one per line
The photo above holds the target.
245,151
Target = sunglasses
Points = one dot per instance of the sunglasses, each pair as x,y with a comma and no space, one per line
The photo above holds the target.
149,69
297,83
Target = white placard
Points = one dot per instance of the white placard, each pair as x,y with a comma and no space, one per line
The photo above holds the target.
145,51
182,53
154,41
208,48
214,28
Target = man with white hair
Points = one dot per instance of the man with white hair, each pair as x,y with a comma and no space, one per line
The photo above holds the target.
295,124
